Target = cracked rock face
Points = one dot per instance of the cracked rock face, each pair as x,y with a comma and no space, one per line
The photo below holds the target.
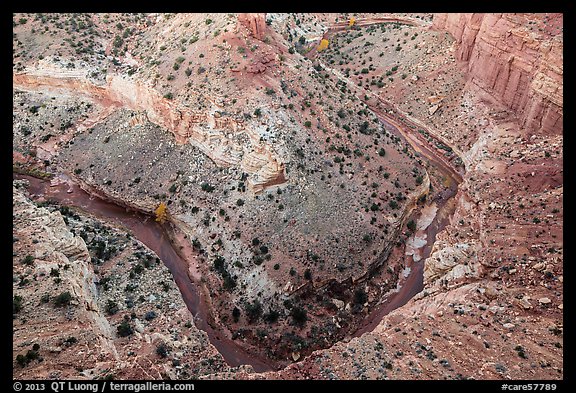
517,58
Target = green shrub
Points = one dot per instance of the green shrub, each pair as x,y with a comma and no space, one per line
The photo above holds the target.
253,310
150,315
118,41
207,187
21,360
16,305
125,329
299,315
236,314
111,307
63,299
162,350
272,316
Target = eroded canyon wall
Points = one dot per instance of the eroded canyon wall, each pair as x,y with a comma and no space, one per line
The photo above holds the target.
214,134
255,23
517,59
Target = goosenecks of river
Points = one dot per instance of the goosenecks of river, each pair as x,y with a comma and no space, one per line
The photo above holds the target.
156,237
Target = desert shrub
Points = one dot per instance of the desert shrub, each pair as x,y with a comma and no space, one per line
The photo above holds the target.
299,315
125,329
63,299
253,310
16,305
162,350
271,316
150,315
28,260
111,307
236,314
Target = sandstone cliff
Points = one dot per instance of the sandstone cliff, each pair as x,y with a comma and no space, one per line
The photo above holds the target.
517,58
255,23
214,134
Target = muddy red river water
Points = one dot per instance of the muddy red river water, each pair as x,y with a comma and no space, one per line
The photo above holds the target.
177,256
154,236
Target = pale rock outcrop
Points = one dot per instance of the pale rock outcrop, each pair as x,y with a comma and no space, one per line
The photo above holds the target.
451,262
56,245
210,132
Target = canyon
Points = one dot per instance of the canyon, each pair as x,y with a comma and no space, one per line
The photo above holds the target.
389,207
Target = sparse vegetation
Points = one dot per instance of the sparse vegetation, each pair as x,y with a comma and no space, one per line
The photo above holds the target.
111,307
162,350
236,314
207,187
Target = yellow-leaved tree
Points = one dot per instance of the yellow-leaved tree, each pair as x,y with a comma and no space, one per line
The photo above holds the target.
352,21
161,212
323,45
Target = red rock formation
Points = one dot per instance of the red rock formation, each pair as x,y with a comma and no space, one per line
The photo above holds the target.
261,63
516,58
255,23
